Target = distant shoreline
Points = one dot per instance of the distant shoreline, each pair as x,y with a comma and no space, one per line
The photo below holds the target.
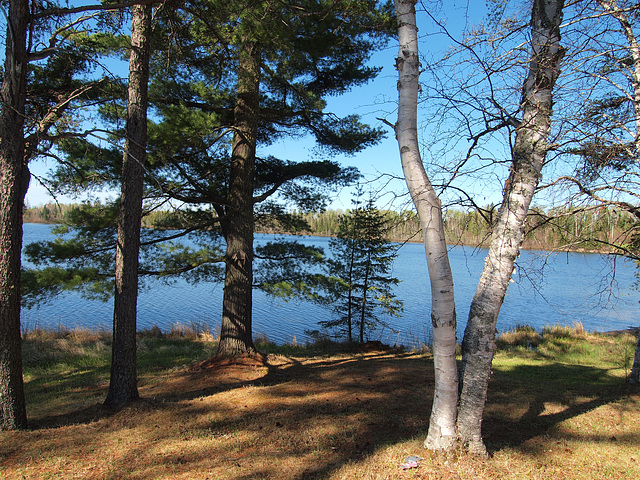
527,245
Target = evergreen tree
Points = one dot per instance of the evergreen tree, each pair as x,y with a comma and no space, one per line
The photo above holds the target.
123,386
280,78
14,180
360,266
226,79
43,80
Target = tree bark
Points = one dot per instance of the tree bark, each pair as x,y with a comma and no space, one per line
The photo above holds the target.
14,181
634,377
442,424
236,329
529,152
123,385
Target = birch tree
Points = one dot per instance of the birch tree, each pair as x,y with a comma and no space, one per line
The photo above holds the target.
529,152
442,424
528,155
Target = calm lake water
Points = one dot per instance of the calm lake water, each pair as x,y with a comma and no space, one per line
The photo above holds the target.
547,289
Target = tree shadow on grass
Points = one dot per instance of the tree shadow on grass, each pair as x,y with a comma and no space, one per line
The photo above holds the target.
298,418
290,419
527,400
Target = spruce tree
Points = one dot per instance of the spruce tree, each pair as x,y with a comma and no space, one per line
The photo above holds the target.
360,273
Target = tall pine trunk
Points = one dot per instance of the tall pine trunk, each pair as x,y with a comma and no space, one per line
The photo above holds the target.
123,385
442,424
14,181
529,152
236,330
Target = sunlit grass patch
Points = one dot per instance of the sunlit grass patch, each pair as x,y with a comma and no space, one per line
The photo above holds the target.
570,345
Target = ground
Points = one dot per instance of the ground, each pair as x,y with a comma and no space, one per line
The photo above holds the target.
341,416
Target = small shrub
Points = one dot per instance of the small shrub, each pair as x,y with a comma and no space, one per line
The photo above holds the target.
261,339
153,332
80,335
194,331
520,336
556,331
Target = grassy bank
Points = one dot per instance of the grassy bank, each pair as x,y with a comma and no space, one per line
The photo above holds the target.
558,408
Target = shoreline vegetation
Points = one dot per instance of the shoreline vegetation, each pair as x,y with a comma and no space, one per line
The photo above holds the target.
596,231
323,410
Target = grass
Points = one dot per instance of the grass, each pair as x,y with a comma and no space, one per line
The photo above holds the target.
558,407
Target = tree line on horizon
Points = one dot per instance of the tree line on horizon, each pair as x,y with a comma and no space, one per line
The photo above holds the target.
604,230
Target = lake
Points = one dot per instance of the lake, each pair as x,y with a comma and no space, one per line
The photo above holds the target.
547,289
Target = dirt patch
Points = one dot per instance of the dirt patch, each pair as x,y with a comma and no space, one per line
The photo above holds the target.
219,362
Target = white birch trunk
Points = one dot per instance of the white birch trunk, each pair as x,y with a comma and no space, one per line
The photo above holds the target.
528,156
442,426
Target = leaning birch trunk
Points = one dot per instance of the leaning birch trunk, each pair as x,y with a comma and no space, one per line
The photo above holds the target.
529,153
442,425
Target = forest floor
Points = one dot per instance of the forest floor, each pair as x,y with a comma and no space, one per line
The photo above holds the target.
558,408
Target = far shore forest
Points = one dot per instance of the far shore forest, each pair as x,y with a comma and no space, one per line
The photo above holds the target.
592,230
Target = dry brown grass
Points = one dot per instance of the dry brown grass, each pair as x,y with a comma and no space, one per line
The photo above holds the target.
77,335
344,416
192,331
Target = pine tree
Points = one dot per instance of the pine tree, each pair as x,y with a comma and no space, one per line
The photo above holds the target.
123,386
226,79
359,268
14,180
42,81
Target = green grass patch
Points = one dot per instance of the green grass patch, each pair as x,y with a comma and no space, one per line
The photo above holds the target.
570,345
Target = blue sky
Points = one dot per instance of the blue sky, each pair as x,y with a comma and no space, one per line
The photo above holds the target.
376,99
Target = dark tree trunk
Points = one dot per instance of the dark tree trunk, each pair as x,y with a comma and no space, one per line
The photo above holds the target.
529,153
365,288
236,331
123,386
635,370
14,181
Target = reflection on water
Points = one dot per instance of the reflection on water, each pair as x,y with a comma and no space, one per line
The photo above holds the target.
574,287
